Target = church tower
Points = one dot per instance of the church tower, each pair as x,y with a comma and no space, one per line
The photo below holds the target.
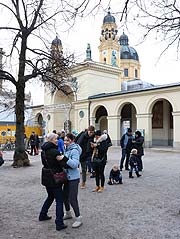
129,60
109,46
56,47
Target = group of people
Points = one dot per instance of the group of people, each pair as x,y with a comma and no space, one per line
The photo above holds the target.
94,145
88,149
132,152
62,193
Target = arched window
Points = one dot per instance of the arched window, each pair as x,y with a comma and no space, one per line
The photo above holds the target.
126,72
136,73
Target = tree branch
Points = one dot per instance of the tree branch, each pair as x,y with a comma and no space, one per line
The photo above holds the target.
4,75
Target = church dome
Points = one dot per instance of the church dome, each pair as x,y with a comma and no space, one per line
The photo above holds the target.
109,18
56,42
124,39
127,52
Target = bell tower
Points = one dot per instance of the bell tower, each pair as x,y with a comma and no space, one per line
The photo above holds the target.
56,47
109,47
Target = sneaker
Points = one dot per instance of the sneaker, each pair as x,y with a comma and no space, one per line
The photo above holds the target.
67,215
59,228
44,218
78,222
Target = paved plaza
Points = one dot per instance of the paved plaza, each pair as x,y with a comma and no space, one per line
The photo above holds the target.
142,208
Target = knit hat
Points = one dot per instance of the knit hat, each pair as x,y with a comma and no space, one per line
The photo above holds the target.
134,151
51,136
129,130
138,133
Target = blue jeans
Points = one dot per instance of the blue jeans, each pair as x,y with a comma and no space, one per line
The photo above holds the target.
54,193
135,168
89,164
125,154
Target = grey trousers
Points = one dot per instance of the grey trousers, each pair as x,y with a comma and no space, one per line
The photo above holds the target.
70,196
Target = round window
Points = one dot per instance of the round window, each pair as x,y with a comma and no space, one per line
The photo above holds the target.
81,114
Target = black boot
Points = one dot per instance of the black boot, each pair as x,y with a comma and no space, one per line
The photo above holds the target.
138,175
130,175
61,227
44,217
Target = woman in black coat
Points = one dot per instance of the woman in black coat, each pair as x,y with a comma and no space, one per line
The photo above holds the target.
138,144
100,148
49,157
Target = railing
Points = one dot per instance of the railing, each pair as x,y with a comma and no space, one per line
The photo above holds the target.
7,146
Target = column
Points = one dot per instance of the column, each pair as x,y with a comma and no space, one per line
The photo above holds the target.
92,121
166,130
176,129
114,128
144,122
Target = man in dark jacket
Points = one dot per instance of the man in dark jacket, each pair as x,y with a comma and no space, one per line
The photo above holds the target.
126,145
84,139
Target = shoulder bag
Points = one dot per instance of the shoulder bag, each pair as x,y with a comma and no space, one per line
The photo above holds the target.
95,158
59,178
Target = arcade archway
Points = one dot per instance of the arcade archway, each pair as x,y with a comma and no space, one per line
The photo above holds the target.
101,121
128,117
162,123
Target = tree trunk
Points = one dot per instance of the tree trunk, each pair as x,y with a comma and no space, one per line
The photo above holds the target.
20,156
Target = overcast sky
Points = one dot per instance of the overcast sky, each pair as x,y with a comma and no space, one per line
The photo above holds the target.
158,71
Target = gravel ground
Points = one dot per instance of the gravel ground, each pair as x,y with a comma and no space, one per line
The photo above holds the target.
142,208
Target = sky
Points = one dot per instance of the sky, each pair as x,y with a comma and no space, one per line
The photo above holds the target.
154,69
165,70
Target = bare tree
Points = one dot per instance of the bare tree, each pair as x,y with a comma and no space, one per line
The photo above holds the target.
30,18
